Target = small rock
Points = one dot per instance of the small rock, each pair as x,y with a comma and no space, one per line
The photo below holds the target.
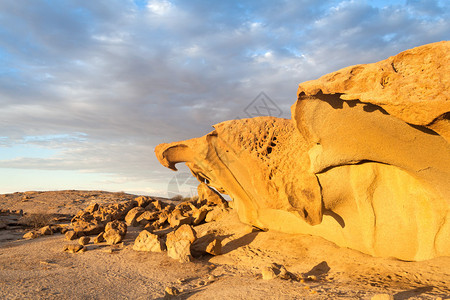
64,230
142,201
31,235
206,244
382,297
147,216
84,240
268,273
147,241
216,214
179,243
73,248
91,208
132,215
172,291
99,238
71,235
115,231
46,230
199,216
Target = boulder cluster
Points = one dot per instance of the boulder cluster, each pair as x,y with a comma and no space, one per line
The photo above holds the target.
165,226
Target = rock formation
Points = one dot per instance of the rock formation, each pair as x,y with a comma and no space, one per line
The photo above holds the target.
364,162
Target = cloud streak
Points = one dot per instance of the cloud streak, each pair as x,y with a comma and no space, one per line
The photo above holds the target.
120,77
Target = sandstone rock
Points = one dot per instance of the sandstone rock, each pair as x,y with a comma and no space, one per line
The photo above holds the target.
212,197
147,217
132,215
179,242
31,235
216,214
199,216
172,291
382,297
177,219
143,201
367,148
71,235
73,248
91,208
84,240
206,245
82,227
99,238
46,230
115,231
147,241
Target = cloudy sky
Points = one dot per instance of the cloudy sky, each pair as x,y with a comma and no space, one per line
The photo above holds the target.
89,88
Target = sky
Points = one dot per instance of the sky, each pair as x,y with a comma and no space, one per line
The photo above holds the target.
89,88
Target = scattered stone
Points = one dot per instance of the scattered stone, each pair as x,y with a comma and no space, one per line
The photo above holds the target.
91,208
115,231
143,201
176,219
172,291
179,242
31,235
64,230
46,230
147,216
276,271
268,273
147,241
71,235
84,240
99,238
73,248
382,297
92,227
199,216
206,244
216,214
132,215
211,196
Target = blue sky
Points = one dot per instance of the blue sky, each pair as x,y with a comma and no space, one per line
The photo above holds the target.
89,88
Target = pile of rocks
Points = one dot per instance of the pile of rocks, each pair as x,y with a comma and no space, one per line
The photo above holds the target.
166,226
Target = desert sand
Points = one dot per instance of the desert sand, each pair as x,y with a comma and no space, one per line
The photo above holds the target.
40,269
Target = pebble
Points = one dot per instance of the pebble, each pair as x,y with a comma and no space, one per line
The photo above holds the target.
173,291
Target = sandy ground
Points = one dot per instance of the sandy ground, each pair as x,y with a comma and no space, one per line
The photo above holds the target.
39,269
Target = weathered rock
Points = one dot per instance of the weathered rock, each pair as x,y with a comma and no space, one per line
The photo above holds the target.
92,227
142,201
46,230
207,244
199,216
115,231
99,238
210,195
71,235
32,235
84,240
216,214
176,218
73,248
179,242
364,162
172,291
382,297
147,241
132,215
147,217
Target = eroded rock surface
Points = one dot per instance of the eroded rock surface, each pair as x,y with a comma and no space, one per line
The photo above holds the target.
364,162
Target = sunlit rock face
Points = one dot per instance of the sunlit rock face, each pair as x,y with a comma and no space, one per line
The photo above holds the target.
364,162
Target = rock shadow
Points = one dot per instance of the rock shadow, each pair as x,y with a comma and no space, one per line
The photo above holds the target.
239,242
413,293
319,270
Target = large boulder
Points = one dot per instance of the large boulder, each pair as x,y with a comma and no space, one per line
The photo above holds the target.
364,162
179,243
